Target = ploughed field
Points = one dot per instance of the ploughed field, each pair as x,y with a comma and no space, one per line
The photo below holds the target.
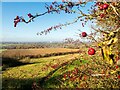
37,52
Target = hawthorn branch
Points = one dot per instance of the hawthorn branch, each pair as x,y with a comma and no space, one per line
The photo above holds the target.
58,8
32,18
99,30
113,9
59,26
55,7
91,37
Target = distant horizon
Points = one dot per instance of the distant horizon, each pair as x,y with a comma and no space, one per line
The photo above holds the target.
39,42
29,41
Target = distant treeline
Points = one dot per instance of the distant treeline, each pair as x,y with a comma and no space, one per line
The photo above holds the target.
38,45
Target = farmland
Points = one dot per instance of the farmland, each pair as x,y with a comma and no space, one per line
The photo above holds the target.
35,52
34,60
37,68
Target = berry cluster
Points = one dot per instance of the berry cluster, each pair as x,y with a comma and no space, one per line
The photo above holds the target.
72,75
16,20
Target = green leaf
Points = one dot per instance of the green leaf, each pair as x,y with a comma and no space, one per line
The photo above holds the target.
70,67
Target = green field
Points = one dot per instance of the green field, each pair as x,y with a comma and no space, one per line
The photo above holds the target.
34,71
63,71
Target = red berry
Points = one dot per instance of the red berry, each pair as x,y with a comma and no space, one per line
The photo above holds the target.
51,7
72,78
76,69
105,6
98,3
118,76
15,22
91,51
101,7
102,15
65,76
17,17
85,77
54,66
117,67
84,34
30,15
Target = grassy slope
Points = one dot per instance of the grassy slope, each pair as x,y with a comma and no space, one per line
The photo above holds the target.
26,74
41,72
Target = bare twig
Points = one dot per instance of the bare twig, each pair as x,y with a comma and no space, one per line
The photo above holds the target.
115,10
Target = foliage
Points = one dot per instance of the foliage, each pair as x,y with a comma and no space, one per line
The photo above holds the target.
106,16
